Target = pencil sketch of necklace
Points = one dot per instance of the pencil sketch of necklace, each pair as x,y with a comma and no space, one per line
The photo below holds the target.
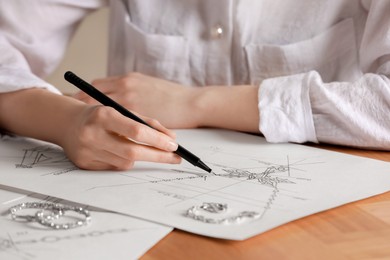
275,178
271,176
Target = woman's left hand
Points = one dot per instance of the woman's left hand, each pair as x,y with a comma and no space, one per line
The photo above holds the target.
166,101
177,106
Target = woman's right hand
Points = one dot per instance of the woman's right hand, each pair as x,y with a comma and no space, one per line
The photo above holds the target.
100,138
93,137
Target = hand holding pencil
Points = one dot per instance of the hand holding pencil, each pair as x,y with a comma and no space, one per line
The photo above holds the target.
104,139
105,100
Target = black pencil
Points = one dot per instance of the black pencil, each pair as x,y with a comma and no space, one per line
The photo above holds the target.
105,100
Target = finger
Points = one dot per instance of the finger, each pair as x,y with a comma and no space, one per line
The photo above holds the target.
154,123
159,127
117,162
131,152
106,79
79,95
138,132
107,85
86,99
102,160
82,96
151,154
97,166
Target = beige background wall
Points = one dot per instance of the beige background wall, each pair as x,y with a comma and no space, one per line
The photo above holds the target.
87,53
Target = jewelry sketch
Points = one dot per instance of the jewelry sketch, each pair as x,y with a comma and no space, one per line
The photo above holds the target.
267,174
46,156
279,182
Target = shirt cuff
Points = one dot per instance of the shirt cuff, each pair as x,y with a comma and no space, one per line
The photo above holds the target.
12,79
285,111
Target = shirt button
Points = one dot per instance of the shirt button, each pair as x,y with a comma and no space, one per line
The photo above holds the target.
217,32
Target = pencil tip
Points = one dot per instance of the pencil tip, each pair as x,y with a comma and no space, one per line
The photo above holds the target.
204,166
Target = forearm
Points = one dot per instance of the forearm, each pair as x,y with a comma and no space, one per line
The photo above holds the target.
176,106
37,113
234,108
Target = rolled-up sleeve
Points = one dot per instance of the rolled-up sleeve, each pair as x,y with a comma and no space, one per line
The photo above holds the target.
302,108
285,110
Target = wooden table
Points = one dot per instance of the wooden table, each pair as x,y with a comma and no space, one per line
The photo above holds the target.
359,230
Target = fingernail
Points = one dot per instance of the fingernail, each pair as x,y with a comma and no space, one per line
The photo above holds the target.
172,146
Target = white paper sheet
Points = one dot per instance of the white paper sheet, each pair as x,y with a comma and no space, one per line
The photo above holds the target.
281,182
108,236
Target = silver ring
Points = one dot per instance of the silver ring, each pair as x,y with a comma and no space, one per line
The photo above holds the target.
56,211
49,222
211,207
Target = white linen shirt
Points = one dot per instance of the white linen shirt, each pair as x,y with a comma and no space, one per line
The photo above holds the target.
323,67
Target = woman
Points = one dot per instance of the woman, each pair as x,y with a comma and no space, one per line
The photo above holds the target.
297,72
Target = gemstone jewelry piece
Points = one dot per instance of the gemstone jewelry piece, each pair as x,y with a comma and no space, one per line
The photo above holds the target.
218,208
49,213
